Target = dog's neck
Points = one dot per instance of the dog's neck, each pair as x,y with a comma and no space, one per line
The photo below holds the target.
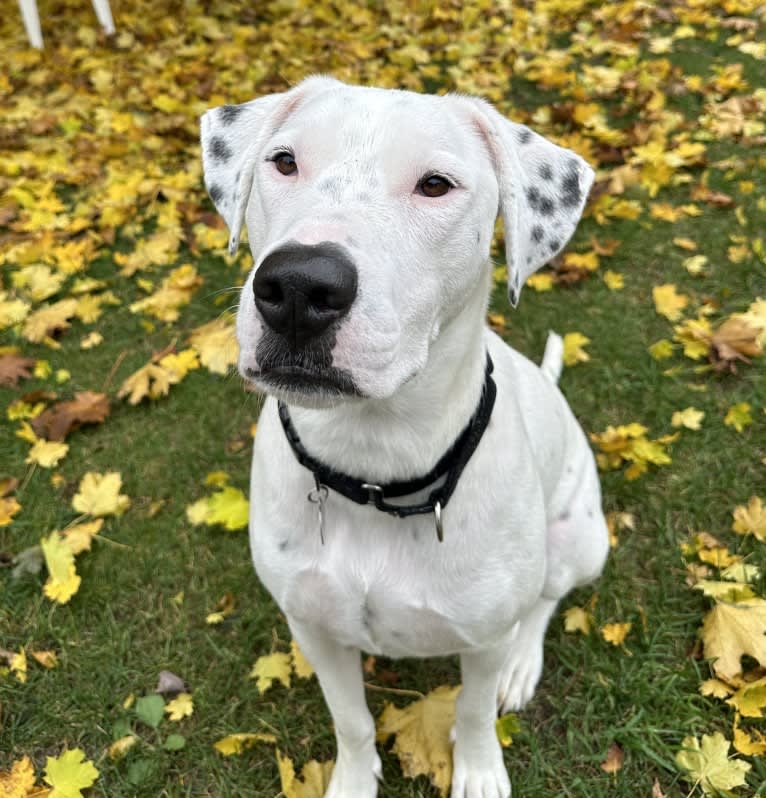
405,435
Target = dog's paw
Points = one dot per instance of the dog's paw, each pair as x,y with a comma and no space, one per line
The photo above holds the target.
355,778
519,679
481,776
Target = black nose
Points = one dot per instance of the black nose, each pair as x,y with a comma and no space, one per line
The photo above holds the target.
300,290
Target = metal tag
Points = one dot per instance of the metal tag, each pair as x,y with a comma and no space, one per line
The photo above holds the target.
318,496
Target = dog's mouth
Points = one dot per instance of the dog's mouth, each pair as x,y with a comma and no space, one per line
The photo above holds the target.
330,382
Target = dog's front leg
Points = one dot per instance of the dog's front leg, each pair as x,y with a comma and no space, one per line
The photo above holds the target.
478,769
339,670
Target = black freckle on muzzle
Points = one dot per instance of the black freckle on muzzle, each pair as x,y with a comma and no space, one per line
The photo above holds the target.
301,290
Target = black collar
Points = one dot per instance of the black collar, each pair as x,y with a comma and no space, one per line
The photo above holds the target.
451,466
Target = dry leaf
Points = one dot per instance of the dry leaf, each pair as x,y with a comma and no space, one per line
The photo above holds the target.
241,741
271,668
615,758
60,419
14,368
733,630
708,764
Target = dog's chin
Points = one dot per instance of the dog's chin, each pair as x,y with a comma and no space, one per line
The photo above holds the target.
304,387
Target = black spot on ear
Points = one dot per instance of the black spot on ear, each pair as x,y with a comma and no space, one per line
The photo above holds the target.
478,236
537,233
229,113
219,149
546,206
554,244
571,194
533,197
546,172
216,193
525,134
283,544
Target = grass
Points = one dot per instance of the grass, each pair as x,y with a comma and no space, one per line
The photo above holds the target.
148,586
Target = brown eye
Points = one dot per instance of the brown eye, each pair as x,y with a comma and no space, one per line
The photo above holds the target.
285,163
434,186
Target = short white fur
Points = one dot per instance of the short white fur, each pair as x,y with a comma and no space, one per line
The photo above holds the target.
524,525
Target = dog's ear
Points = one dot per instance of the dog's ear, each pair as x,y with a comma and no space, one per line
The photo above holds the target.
230,136
543,189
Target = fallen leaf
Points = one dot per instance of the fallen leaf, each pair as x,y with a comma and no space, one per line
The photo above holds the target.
19,781
422,736
63,581
615,759
730,631
301,665
573,348
690,418
47,454
708,764
14,368
271,668
241,741
47,659
315,778
60,419
99,494
747,744
668,302
120,747
180,707
577,619
751,520
69,774
738,416
615,633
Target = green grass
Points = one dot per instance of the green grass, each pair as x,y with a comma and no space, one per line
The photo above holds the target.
149,584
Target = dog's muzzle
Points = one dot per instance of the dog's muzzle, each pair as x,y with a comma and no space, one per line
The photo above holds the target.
300,290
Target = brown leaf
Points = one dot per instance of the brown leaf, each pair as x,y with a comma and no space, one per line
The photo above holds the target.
58,421
734,340
14,368
614,759
716,198
657,790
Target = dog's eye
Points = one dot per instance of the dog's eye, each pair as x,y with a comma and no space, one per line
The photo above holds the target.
285,163
433,186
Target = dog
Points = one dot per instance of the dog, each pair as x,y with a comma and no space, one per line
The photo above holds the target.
418,487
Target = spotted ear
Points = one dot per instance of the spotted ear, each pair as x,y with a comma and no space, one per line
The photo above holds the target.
543,189
231,135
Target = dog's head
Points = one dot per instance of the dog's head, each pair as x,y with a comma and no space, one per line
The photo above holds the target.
370,215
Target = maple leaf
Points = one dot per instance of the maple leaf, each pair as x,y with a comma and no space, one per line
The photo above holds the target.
738,416
542,281
241,741
614,280
668,302
9,507
730,631
14,368
615,633
422,735
746,744
80,536
47,659
216,344
63,581
228,507
735,340
99,494
150,381
301,665
19,781
180,707
69,774
271,668
751,520
87,407
750,699
576,619
176,290
45,322
615,758
573,349
709,765
691,418
315,778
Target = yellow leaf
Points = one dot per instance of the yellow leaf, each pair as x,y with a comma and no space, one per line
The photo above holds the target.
217,478
19,781
99,494
228,507
614,280
69,774
198,512
668,302
505,727
47,659
422,731
120,747
271,668
47,454
301,665
41,324
661,350
751,520
685,243
747,745
576,619
691,418
582,260
216,344
18,665
180,707
80,536
738,416
725,591
615,633
730,631
541,282
237,743
8,508
750,700
150,381
715,688
709,764
63,581
573,349
316,778
695,265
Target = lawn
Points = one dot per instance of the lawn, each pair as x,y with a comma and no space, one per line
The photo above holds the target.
113,262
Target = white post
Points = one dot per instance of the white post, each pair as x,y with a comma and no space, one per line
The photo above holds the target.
104,14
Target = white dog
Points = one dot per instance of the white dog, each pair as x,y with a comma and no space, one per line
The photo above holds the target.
407,500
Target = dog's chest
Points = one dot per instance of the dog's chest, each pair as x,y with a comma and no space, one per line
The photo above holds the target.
391,589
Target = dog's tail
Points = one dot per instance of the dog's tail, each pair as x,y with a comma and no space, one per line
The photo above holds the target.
553,358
